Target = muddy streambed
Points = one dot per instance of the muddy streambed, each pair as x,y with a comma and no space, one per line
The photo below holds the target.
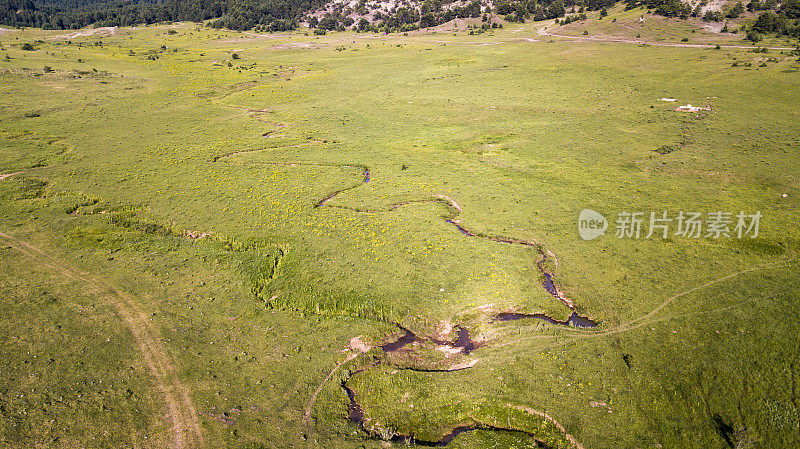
463,344
573,320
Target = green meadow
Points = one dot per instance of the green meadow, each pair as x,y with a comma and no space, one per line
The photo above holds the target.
123,327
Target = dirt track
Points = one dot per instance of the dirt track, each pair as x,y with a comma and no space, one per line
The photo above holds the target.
103,32
186,431
570,438
543,32
648,318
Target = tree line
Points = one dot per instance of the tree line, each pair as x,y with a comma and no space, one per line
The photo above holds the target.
780,17
275,15
775,17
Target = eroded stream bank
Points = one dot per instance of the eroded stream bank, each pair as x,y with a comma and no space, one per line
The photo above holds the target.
574,320
463,343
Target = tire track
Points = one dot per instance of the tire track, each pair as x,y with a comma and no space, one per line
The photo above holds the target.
310,406
574,442
648,318
454,210
180,411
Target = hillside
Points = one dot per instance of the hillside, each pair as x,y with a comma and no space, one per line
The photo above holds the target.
770,16
234,14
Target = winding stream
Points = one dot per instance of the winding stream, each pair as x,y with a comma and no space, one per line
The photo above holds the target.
549,285
574,320
463,342
355,413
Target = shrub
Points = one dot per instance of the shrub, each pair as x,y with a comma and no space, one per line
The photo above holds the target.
28,47
769,22
736,11
665,149
753,36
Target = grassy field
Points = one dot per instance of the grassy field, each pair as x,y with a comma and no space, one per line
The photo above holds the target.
122,328
639,25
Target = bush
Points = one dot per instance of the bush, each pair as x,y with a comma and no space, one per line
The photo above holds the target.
769,22
282,25
736,11
320,32
665,149
753,36
28,47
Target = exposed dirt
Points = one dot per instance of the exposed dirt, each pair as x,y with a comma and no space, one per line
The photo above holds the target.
356,344
100,32
186,431
8,175
292,45
310,406
405,346
544,415
608,40
195,235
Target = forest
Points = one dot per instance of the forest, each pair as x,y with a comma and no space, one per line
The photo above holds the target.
280,15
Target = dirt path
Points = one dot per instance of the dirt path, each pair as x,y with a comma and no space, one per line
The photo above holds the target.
8,175
643,320
186,431
544,415
571,333
608,40
102,31
307,415
455,211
